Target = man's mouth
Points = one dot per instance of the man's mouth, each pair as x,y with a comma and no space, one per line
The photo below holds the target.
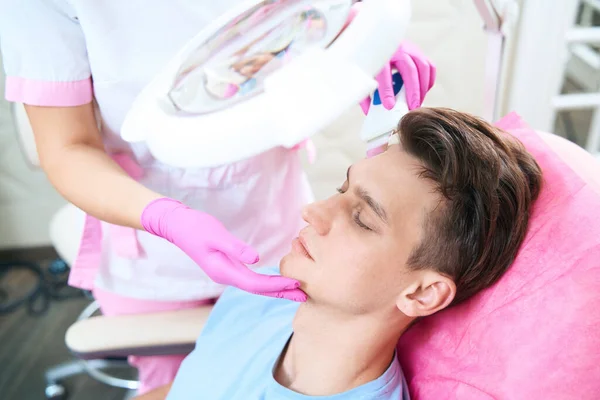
299,244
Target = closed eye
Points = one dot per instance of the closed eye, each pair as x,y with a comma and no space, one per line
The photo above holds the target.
356,215
360,223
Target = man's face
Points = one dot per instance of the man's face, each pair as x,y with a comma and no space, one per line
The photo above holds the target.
352,254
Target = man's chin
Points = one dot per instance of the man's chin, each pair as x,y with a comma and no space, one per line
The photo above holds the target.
284,265
290,267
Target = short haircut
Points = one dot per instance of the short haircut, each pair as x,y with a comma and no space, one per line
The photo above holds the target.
488,183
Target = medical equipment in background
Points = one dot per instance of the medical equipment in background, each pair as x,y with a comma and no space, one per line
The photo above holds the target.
580,58
267,74
499,18
49,284
528,74
550,45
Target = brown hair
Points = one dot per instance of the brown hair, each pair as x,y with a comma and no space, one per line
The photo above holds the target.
488,182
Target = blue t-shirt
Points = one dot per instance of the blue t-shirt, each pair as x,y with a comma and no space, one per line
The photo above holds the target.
237,351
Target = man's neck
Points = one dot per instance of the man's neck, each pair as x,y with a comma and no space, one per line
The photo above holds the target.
330,353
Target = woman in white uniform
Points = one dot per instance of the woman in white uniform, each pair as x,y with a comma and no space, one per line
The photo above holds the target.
77,66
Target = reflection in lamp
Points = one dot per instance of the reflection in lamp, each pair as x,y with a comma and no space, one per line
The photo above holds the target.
233,64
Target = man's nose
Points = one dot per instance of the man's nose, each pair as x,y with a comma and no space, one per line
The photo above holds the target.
319,216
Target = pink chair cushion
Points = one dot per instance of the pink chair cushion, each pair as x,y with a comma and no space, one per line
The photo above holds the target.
536,333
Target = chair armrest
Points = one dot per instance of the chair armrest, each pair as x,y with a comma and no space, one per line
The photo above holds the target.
173,332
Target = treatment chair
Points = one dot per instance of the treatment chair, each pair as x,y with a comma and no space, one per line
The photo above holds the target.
99,343
533,335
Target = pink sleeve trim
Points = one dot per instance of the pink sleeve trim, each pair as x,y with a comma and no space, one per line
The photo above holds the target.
47,93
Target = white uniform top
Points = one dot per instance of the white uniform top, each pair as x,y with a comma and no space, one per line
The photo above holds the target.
60,53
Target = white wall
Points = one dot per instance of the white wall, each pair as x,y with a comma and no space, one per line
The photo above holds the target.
27,200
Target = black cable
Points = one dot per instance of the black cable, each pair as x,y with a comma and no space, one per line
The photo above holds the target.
51,284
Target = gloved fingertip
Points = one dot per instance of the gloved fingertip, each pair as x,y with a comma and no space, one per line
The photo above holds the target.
297,298
249,256
389,102
294,285
414,102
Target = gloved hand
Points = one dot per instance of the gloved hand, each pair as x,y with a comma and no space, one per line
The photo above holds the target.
221,255
417,71
418,74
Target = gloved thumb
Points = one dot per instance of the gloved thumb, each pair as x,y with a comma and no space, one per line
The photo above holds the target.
237,250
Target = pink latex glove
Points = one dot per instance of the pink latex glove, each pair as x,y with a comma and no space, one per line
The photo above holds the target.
221,255
418,74
417,71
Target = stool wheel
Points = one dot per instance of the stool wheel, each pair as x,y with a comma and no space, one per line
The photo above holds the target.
56,392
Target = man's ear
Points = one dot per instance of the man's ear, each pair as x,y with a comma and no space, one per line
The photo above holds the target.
431,293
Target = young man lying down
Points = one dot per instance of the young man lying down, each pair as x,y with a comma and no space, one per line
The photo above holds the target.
427,224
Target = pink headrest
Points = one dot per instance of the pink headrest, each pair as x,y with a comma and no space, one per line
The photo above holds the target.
536,333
